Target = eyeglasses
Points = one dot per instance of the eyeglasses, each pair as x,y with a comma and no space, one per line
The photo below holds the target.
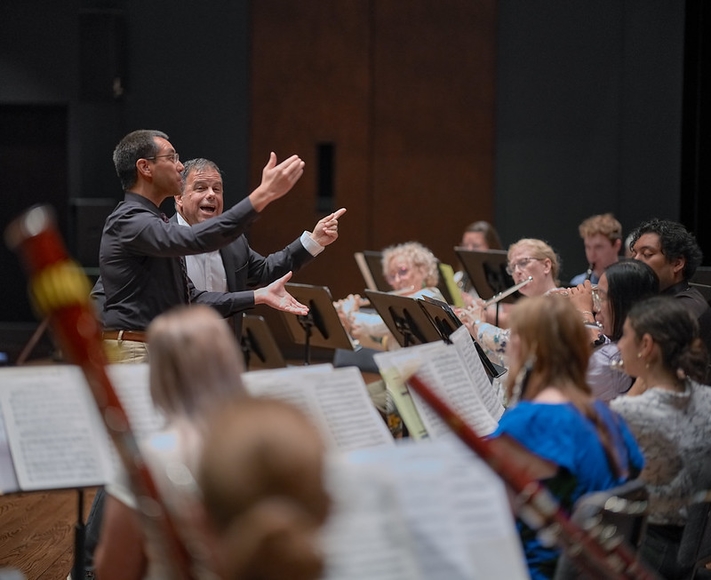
598,297
520,264
399,273
174,157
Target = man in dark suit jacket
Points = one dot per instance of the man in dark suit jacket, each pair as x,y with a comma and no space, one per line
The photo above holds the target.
237,267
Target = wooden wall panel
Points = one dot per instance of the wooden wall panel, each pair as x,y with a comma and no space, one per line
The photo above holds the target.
311,84
405,91
433,78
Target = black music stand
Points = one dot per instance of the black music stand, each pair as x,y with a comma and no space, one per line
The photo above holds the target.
487,272
259,347
321,326
446,321
404,317
374,262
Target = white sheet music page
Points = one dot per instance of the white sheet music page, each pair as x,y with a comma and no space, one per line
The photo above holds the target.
132,386
366,536
336,400
52,423
455,507
443,370
463,342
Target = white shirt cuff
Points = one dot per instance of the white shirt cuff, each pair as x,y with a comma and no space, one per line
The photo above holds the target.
311,246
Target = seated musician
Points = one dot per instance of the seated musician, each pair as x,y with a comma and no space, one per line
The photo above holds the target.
528,257
479,236
195,368
262,480
566,439
660,345
411,270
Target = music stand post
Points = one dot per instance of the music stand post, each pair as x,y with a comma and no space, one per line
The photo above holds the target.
321,327
257,342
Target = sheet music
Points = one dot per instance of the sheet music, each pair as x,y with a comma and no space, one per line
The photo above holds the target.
442,368
394,375
467,350
55,433
366,534
336,400
52,425
8,479
455,508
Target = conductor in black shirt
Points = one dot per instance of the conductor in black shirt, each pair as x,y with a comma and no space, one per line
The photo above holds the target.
140,256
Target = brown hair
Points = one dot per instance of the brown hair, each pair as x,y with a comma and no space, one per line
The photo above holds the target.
604,224
556,346
261,475
490,234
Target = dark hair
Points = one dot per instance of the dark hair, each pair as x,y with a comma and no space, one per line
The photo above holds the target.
628,282
672,326
675,241
490,233
134,146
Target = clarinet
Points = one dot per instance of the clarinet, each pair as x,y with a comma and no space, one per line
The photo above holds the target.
59,291
538,508
589,272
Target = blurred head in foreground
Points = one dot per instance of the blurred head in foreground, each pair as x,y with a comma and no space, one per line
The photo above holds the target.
261,475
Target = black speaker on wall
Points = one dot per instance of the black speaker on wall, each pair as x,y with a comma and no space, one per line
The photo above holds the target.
102,55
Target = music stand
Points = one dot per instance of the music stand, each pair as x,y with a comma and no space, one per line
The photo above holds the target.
321,326
258,344
487,272
446,321
404,317
374,263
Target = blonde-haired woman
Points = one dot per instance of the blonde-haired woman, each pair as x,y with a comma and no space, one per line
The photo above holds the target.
195,368
566,439
411,270
527,258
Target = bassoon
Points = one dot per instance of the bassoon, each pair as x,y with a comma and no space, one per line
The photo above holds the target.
59,291
599,557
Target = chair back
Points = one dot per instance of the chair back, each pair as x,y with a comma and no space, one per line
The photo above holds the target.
695,547
620,511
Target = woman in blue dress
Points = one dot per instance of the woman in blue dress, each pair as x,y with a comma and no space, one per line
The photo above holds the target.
569,441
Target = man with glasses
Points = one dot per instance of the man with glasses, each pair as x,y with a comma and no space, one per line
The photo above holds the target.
140,257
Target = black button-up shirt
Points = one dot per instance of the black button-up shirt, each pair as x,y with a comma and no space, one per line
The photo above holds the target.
139,261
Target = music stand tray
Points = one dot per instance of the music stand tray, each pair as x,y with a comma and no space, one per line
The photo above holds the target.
487,272
258,344
321,326
404,317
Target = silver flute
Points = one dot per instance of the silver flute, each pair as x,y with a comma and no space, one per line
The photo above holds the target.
504,293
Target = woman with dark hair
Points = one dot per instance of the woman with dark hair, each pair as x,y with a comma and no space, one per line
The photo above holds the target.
620,287
660,344
569,441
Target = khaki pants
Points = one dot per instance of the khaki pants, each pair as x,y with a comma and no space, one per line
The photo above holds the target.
126,351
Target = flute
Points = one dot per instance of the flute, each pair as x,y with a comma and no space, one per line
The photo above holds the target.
60,291
504,293
537,507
